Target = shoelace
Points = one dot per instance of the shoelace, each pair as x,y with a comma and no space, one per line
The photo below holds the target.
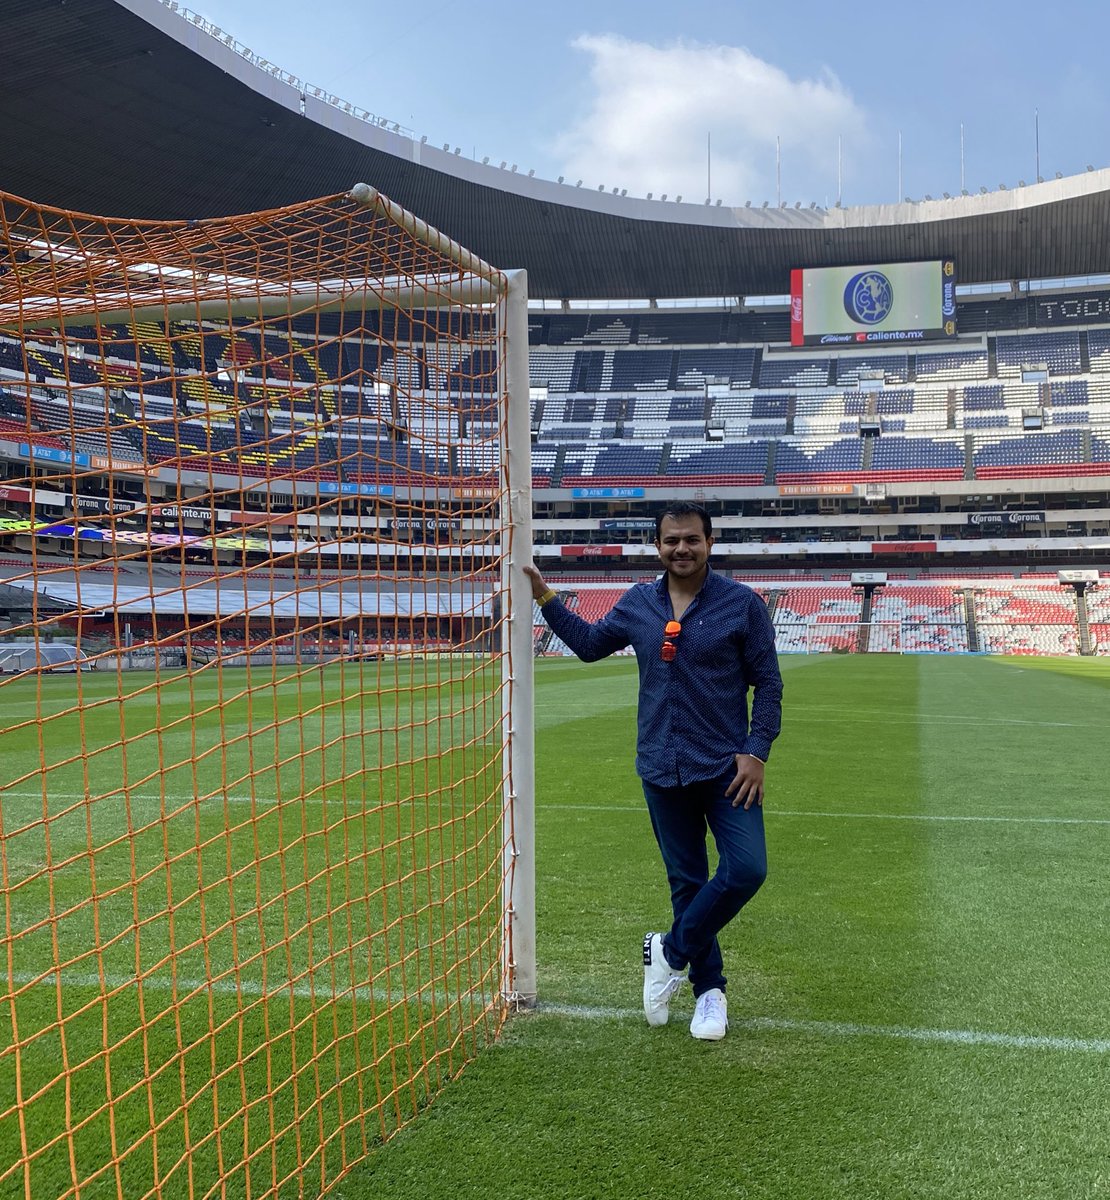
670,987
710,1008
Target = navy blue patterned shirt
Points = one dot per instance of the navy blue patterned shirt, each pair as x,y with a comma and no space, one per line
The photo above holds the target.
693,711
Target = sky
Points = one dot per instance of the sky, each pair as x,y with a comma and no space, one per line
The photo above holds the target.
733,101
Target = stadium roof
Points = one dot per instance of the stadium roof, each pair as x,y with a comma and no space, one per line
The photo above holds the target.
128,108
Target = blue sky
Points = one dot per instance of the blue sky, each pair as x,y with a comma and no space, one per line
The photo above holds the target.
688,98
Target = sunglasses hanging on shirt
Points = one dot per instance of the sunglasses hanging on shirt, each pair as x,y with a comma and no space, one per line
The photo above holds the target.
669,649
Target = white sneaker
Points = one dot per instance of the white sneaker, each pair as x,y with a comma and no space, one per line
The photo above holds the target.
661,981
710,1021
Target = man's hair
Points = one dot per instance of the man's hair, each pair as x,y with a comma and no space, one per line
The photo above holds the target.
684,508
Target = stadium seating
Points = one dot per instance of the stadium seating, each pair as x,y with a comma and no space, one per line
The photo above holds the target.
1026,620
642,397
931,619
816,619
1098,616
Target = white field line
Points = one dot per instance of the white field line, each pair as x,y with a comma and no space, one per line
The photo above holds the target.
861,816
323,991
924,718
952,1037
268,801
275,989
173,800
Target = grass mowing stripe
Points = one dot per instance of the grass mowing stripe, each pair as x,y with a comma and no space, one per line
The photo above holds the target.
1011,916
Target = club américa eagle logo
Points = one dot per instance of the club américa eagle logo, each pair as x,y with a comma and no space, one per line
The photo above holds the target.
869,297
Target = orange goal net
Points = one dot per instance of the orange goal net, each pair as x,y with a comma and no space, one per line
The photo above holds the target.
263,698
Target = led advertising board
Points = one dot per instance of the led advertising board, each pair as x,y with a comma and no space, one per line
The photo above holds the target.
889,303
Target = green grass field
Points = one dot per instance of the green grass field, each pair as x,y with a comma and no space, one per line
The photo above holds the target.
918,995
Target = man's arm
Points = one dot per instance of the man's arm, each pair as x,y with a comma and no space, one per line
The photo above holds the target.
589,642
761,669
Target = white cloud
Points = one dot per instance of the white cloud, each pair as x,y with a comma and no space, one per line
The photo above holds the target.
652,106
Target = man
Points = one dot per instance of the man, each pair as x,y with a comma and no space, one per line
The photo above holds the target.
701,641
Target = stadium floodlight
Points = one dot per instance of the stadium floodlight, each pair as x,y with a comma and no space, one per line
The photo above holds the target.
718,204
946,196
514,168
424,140
457,150
678,199
485,161
964,192
1001,187
664,196
504,164
927,196
649,195
797,204
601,187
1059,175
531,173
560,179
446,147
1040,179
766,203
747,204
1021,183
624,191
982,191
1089,167
579,183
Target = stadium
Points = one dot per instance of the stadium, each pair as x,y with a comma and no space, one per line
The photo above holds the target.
305,811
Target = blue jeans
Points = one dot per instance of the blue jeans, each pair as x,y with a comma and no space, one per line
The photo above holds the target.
704,906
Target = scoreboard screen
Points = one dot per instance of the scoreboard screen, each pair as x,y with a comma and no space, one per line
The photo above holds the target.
892,302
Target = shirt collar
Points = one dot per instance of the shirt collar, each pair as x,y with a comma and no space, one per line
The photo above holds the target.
661,583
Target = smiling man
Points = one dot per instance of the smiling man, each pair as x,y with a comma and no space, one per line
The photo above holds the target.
701,642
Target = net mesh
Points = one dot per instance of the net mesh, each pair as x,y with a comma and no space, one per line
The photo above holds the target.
252,732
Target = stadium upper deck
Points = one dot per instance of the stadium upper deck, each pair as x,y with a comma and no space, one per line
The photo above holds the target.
117,81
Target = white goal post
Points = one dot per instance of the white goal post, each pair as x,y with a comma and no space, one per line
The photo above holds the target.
854,637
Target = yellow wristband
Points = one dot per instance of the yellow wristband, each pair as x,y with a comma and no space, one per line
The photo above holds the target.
546,598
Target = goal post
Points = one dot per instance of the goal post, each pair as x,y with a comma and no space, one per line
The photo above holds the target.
854,637
267,768
519,966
